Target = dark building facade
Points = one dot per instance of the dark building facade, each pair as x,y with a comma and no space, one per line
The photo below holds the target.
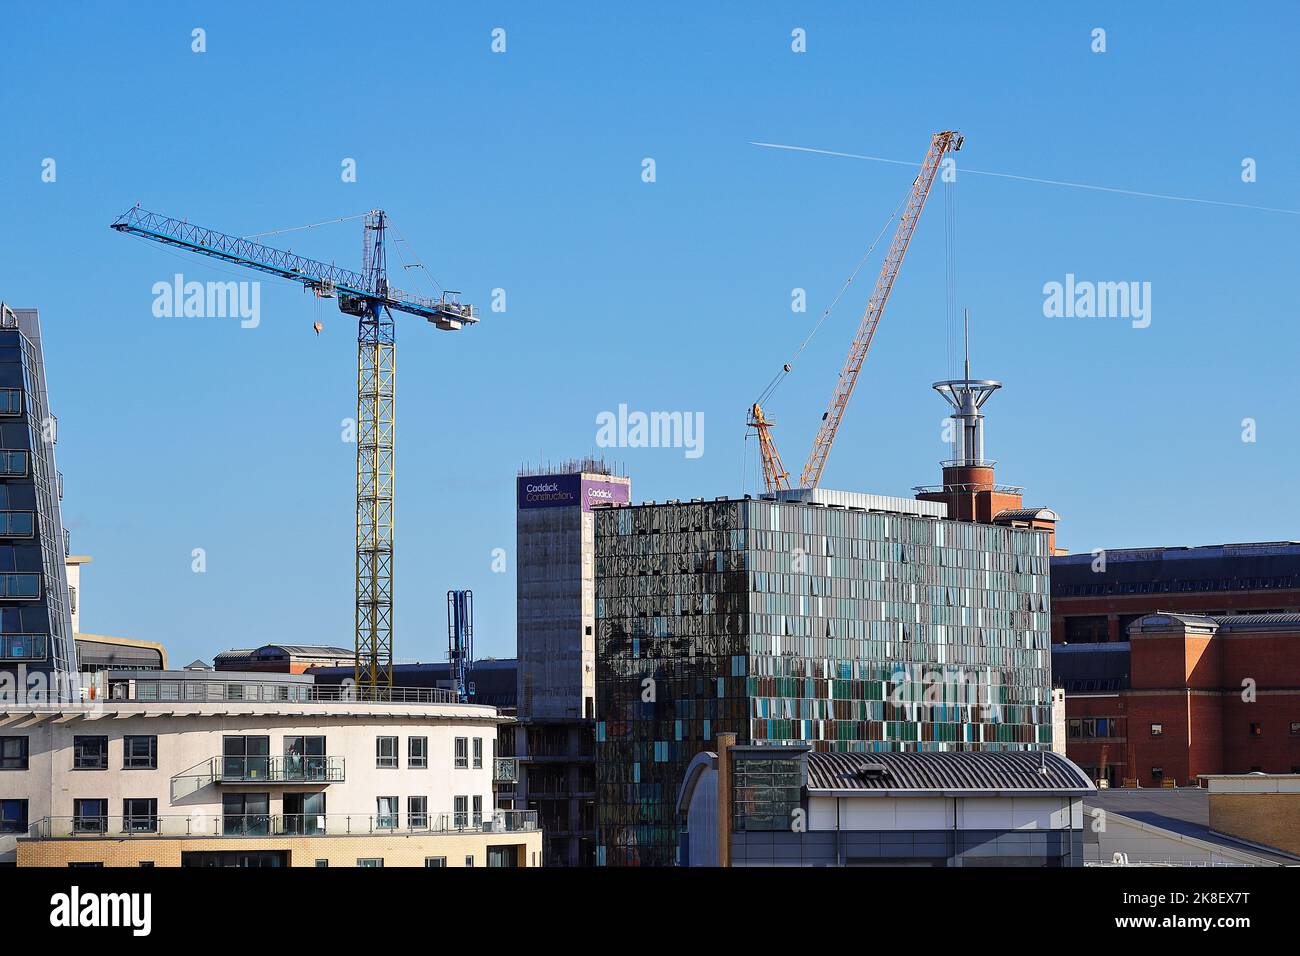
35,616
850,623
1095,596
491,679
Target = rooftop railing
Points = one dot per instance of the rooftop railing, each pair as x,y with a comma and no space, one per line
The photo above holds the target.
212,689
209,825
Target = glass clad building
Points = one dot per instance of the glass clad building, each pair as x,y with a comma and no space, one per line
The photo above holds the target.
35,618
787,622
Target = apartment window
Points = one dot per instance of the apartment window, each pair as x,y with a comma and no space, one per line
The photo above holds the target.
478,753
437,861
462,753
13,816
322,864
13,753
140,816
140,753
146,864
13,463
1256,729
246,814
23,647
17,524
371,862
20,586
89,753
245,758
386,752
386,813
89,816
1157,730
417,813
417,752
304,759
478,812
11,401
469,860
460,814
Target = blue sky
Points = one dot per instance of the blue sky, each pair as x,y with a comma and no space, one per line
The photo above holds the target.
522,171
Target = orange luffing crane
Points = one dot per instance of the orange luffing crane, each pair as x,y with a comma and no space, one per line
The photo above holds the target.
775,477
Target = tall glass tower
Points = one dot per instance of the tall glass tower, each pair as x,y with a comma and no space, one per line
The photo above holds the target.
35,617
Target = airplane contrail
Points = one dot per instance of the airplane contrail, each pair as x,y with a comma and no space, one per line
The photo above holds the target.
1034,179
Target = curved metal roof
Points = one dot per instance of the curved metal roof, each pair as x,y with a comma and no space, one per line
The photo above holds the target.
984,770
1027,514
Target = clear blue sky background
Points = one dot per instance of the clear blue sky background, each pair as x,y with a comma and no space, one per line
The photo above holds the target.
522,171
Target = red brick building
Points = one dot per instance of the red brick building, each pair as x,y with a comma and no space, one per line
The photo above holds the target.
1096,597
1187,695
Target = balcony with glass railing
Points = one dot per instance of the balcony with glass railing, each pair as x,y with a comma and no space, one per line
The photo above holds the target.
209,825
286,770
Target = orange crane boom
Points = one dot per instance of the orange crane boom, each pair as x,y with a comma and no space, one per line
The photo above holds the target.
941,143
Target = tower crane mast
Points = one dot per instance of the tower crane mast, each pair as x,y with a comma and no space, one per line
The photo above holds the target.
368,296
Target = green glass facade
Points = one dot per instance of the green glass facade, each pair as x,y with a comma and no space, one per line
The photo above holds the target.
787,622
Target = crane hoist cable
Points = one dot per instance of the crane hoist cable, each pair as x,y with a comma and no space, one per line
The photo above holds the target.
774,474
310,225
789,366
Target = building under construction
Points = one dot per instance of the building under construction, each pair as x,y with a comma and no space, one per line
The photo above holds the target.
839,620
555,568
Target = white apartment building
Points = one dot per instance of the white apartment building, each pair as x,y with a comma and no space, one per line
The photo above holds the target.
202,768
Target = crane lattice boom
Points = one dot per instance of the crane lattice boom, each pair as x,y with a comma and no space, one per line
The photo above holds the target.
366,295
940,144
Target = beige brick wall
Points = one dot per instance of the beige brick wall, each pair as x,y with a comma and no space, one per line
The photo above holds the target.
1272,819
394,850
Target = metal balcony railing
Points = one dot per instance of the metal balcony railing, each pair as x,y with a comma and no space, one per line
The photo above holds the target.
209,825
283,770
144,688
293,769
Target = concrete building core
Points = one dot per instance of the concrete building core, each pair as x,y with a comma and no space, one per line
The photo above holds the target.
555,566
555,571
